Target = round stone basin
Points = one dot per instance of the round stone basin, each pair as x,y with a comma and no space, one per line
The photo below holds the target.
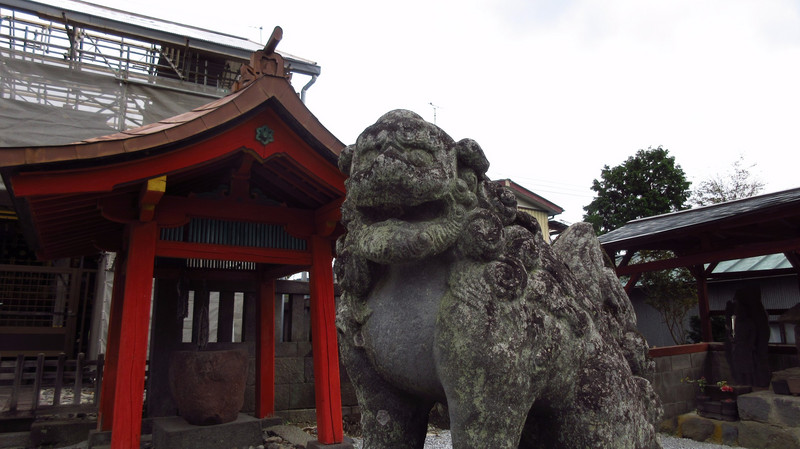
208,386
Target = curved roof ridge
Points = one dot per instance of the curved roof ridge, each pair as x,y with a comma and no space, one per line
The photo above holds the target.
180,127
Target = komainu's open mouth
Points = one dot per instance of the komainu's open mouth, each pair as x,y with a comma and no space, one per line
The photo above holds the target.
426,211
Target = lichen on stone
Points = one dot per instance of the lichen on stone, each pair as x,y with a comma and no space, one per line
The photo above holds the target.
450,295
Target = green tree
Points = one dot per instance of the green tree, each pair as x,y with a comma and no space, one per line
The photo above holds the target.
646,184
673,293
735,184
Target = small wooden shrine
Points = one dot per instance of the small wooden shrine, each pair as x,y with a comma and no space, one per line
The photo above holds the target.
249,178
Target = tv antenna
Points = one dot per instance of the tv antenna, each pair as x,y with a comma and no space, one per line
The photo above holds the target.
260,33
434,111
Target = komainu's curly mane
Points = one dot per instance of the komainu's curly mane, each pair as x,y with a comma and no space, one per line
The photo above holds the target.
451,295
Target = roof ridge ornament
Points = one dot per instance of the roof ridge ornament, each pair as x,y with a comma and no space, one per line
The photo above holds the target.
264,62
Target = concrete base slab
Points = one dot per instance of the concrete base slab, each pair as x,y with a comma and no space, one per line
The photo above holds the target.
346,444
292,434
175,433
64,432
99,439
15,439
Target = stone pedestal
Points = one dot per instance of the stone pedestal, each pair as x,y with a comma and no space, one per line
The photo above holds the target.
175,433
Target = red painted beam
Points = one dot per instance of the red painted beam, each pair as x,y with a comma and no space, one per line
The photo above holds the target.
126,424
327,216
103,178
265,349
667,351
183,250
327,386
176,211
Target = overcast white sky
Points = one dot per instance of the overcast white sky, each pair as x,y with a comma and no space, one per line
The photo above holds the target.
552,90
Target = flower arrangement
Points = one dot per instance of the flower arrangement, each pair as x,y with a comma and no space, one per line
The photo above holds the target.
723,386
702,383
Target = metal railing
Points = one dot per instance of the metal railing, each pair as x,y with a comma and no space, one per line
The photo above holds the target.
125,58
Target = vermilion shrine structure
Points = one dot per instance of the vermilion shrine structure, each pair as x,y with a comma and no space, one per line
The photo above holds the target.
249,178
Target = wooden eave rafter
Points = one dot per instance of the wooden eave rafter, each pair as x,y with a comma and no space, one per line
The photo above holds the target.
770,230
740,252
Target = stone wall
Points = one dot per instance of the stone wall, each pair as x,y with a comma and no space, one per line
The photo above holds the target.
674,363
294,384
294,378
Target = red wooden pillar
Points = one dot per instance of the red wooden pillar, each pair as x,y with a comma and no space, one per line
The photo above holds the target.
265,349
106,407
126,422
326,352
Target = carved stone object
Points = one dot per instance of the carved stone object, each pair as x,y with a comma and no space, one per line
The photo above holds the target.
750,348
451,295
208,386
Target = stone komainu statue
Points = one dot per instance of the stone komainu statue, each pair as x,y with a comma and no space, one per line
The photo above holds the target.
450,295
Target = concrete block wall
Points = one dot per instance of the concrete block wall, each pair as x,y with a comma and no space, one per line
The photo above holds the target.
703,359
294,384
672,365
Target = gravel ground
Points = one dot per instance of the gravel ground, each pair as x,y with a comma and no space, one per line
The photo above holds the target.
441,440
670,442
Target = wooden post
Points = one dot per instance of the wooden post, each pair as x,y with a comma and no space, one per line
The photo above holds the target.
126,423
326,352
166,330
106,406
265,349
200,318
225,316
699,273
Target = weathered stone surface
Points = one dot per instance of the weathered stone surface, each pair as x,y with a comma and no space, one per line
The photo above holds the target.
696,428
765,436
767,407
292,434
289,370
208,386
730,434
451,296
749,359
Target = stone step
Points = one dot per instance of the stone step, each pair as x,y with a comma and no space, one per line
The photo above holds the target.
749,434
770,408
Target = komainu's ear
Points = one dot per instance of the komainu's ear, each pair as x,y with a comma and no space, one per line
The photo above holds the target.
470,155
346,159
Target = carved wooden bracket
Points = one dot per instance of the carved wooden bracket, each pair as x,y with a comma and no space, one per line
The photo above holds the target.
150,196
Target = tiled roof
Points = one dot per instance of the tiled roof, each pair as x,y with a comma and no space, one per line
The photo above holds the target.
178,128
715,215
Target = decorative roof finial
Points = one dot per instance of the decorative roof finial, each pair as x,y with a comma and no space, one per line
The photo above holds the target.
264,62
